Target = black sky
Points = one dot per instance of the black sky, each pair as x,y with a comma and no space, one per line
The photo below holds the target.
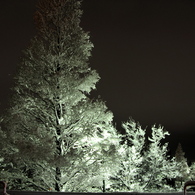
143,51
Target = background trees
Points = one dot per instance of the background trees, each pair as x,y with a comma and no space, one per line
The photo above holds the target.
128,177
157,165
59,135
192,171
145,164
182,167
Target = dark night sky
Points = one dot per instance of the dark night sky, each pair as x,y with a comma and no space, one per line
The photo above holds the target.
144,52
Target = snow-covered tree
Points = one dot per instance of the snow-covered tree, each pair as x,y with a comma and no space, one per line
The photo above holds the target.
144,165
192,171
128,176
157,165
182,166
60,139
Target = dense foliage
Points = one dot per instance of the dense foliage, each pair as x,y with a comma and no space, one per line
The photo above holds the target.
58,136
55,137
145,164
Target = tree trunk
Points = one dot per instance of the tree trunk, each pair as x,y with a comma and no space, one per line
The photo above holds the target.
58,175
104,186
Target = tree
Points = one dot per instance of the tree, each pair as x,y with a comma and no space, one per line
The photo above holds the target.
157,165
192,171
60,138
144,166
182,166
129,174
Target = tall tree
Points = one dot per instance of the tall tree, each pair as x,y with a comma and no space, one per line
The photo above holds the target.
60,138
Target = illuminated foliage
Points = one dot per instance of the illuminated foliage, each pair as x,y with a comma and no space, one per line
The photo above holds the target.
158,166
145,166
128,177
61,139
54,137
192,171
